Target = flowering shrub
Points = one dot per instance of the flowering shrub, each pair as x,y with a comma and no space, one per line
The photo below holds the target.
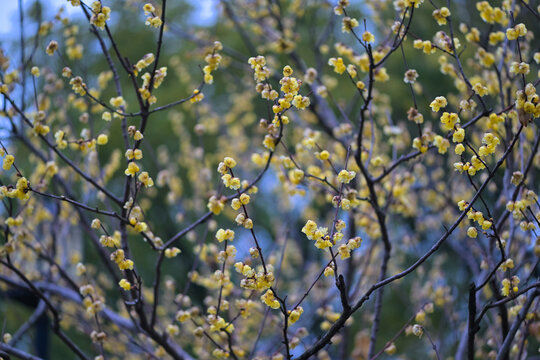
331,180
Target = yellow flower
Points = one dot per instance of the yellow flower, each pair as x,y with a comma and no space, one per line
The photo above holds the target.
117,101
287,71
439,102
414,115
337,63
124,284
420,316
229,162
269,143
309,229
134,154
440,15
340,225
505,290
521,29
348,24
14,222
342,4
102,139
415,3
345,176
301,102
520,68
96,224
154,21
172,252
51,48
472,232
508,264
215,205
100,14
344,251
21,190
441,143
515,32
141,227
145,179
182,316
368,37
480,89
248,224
106,116
269,299
41,129
459,135
244,199
236,204
391,348
146,61
328,271
296,176
132,169
417,330
295,314
223,235
496,37
449,120
138,136
258,65
8,162
323,155
148,9
125,265
231,182
381,75
197,96
345,204
428,48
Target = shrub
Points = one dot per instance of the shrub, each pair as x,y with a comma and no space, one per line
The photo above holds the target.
293,179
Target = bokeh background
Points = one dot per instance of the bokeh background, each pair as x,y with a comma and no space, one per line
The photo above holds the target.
229,116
